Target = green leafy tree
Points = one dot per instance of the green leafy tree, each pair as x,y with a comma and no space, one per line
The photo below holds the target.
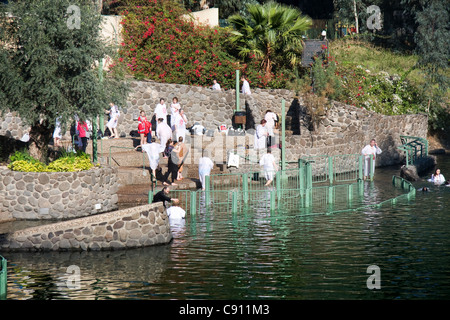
432,34
47,66
272,32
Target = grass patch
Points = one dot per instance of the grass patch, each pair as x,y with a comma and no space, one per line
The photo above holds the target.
356,52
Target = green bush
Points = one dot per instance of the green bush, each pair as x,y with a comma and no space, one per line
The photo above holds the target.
160,45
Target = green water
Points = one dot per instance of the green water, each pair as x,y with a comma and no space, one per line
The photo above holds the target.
263,255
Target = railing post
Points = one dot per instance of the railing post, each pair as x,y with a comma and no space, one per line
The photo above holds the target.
272,200
234,202
350,192
330,194
372,166
193,202
150,196
278,183
245,187
360,162
330,169
301,171
207,189
308,175
3,278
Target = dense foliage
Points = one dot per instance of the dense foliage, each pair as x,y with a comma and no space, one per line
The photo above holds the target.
161,43
47,68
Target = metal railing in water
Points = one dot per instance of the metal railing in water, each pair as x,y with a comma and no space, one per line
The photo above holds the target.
414,148
287,196
3,278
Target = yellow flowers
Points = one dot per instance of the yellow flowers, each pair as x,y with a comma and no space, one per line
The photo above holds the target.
64,164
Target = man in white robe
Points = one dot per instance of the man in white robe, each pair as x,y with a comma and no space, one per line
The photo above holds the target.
261,136
205,166
164,133
270,117
176,214
367,151
269,165
245,87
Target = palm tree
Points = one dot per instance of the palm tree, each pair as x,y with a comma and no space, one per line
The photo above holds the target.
272,31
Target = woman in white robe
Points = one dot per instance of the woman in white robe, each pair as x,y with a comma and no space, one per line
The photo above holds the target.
367,151
180,125
153,150
261,135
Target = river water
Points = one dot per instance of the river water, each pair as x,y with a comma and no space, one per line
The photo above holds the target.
260,255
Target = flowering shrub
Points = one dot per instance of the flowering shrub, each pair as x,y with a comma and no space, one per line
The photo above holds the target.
161,45
380,92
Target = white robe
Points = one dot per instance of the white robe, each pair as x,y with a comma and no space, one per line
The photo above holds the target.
205,166
368,150
180,126
114,115
437,179
270,117
246,88
267,162
161,112
260,137
176,215
164,133
152,150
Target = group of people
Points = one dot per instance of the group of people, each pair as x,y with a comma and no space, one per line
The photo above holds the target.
264,133
171,132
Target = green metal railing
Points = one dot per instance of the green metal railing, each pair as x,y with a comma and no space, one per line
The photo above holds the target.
414,148
286,196
3,278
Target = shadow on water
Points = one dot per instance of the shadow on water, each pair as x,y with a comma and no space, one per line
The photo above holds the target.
261,255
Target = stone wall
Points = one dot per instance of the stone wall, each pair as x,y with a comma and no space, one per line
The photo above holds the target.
57,195
345,130
129,228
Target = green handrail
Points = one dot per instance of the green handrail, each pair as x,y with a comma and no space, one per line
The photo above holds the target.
3,278
414,148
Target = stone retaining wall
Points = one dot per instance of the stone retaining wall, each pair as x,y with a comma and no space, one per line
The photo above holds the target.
346,129
129,228
57,195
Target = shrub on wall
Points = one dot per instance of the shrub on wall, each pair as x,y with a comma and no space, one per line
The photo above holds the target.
161,43
22,161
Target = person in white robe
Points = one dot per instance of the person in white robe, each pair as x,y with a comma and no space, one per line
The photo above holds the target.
164,133
174,109
367,151
205,166
437,177
270,117
153,150
161,110
176,214
261,136
245,86
216,86
269,165
57,135
180,125
114,115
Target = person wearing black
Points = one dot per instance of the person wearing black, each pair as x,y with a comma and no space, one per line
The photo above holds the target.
162,196
173,165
